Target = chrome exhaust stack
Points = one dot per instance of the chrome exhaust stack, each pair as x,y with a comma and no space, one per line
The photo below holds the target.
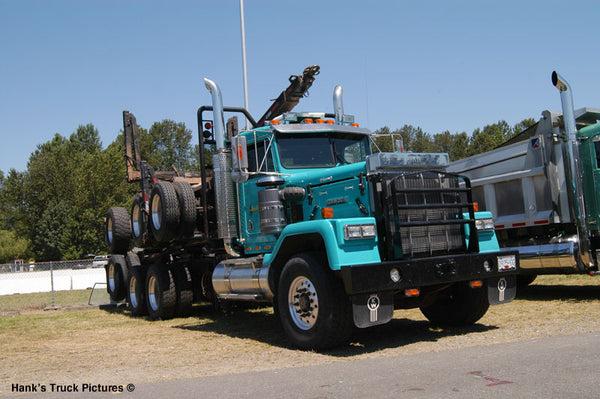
338,104
224,190
575,172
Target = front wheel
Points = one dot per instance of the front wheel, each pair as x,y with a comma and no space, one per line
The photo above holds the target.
314,310
458,305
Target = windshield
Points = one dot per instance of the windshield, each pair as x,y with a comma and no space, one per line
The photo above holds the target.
307,150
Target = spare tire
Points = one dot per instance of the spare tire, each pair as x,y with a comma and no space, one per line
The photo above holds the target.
117,230
187,209
139,221
164,211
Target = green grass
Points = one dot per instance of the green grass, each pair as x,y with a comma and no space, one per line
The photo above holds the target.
41,300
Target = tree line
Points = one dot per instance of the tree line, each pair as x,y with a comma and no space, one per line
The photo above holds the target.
54,209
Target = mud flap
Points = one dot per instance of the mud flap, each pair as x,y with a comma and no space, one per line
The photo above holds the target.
372,309
502,289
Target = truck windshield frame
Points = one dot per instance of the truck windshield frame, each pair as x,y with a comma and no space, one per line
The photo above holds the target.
321,150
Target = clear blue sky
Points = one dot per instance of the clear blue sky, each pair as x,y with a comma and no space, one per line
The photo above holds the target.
441,65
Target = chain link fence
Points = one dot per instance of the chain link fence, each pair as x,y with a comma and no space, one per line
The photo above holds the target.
51,277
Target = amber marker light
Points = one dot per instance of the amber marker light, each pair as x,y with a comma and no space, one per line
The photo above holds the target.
327,213
412,292
274,122
476,284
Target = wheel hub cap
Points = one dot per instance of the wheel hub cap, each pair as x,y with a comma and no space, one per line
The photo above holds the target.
303,303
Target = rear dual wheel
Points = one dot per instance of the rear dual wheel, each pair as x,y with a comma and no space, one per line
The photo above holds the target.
136,287
169,291
160,291
116,277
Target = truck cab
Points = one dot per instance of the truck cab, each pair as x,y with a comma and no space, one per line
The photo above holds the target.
300,211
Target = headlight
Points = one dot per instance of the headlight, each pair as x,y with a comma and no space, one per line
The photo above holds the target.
357,231
484,224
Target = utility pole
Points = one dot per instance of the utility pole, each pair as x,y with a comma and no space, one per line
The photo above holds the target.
243,27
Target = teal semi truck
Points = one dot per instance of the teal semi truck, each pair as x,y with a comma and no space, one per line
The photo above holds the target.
300,212
542,187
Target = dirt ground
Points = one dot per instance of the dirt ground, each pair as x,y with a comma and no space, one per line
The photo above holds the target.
109,346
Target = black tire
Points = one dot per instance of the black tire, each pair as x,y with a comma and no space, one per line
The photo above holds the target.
160,289
137,291
187,209
314,310
117,230
459,305
184,290
164,211
139,221
117,277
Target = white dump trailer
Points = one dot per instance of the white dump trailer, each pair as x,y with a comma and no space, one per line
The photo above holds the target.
542,188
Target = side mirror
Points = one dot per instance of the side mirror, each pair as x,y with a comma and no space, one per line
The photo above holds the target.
239,159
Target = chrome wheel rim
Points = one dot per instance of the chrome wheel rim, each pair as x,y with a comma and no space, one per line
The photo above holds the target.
303,303
156,212
109,228
111,278
153,293
132,293
136,221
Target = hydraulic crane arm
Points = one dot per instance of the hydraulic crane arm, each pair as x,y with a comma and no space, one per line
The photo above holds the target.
287,100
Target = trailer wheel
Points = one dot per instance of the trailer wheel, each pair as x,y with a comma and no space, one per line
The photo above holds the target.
187,209
458,305
137,291
164,211
139,220
314,310
117,230
116,277
183,289
160,289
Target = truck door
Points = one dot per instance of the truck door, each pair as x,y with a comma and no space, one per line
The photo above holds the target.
260,159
